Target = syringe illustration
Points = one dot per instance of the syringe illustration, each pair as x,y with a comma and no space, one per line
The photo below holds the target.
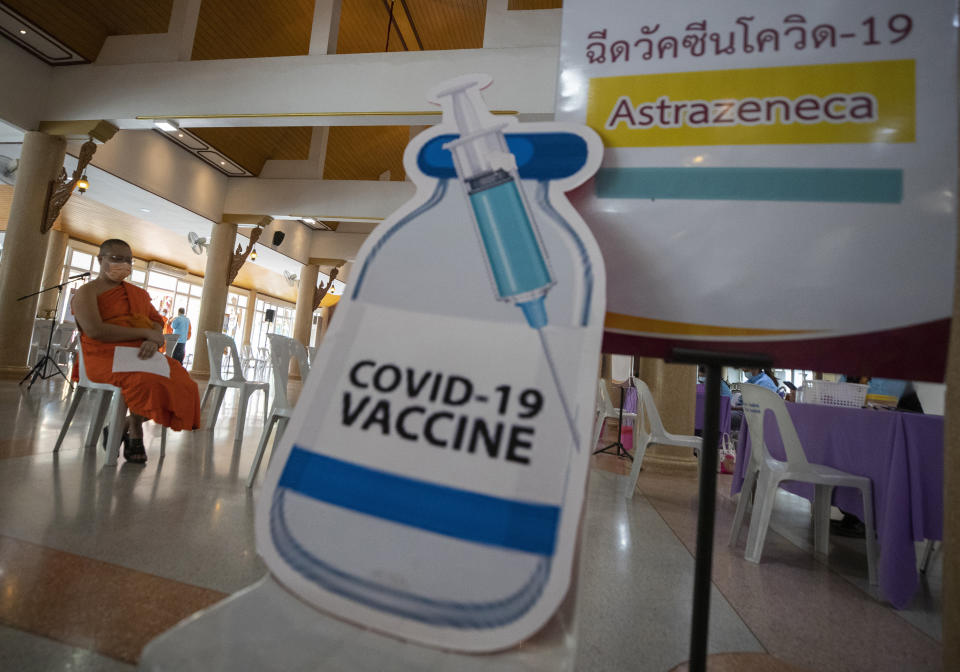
516,260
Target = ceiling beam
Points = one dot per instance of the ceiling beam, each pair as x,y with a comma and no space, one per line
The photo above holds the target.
320,90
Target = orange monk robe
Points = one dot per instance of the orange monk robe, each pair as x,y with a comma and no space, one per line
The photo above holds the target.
173,402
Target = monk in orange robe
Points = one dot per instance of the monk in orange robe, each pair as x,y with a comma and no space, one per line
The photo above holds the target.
112,313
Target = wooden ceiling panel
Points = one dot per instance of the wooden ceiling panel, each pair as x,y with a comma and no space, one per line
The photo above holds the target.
253,29
85,219
250,147
365,152
434,24
534,4
84,26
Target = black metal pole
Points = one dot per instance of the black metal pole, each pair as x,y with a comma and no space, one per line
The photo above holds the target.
706,509
706,515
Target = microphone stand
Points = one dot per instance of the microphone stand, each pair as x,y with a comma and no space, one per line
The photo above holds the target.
39,369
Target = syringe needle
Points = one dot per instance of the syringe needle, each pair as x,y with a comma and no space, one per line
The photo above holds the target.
563,400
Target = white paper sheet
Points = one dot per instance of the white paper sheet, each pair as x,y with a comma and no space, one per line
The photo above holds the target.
125,359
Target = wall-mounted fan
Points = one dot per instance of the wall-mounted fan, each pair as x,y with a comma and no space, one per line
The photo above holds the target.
289,277
8,169
197,244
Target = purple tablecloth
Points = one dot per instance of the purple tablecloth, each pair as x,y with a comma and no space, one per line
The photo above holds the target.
902,455
724,410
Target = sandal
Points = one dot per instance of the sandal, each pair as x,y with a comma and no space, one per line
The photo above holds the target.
123,439
134,451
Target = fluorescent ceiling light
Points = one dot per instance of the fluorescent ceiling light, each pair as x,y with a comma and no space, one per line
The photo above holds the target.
165,125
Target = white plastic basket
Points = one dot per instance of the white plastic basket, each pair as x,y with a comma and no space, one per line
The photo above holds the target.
826,393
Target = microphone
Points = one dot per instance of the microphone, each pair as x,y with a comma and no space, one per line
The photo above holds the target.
81,275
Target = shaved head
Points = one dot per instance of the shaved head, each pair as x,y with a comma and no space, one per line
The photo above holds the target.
111,244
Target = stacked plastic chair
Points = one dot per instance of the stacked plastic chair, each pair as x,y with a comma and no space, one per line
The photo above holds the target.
282,350
217,345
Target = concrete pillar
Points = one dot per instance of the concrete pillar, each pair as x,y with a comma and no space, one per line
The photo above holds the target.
52,272
248,316
25,247
304,316
674,391
213,302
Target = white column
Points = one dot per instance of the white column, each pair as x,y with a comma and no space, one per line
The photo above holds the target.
24,248
213,301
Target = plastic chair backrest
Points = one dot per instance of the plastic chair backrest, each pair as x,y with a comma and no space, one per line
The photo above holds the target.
282,349
758,403
645,402
169,343
216,344
604,405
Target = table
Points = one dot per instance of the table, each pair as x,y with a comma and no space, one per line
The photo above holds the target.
724,410
902,455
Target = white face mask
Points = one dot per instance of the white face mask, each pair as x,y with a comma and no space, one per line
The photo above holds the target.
116,271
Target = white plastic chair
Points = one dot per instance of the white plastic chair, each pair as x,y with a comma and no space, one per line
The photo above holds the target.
169,343
217,343
605,409
249,361
112,396
647,412
282,349
767,473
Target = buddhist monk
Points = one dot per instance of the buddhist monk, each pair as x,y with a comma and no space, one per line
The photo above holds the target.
112,313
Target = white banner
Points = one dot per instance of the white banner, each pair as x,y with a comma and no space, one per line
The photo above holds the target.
778,177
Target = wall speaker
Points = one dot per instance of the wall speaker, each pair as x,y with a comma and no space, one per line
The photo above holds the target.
278,237
268,315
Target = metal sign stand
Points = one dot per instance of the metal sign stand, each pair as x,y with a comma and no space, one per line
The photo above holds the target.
712,361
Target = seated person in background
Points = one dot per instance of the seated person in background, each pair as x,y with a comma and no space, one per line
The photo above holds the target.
764,378
111,313
702,378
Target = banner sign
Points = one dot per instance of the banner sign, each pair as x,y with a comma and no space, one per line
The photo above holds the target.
431,480
778,177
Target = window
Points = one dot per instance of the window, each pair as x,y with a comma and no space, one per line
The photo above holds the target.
234,316
283,315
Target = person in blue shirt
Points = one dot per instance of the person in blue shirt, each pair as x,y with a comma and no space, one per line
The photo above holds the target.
762,378
702,378
181,327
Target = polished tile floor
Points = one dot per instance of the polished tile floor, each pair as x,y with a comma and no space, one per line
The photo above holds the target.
95,561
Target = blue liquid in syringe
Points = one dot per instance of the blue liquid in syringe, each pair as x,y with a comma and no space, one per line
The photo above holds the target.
516,262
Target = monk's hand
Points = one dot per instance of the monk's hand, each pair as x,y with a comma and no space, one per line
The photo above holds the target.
147,350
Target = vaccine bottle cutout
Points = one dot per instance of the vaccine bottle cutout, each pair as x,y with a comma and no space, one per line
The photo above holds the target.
430,482
516,260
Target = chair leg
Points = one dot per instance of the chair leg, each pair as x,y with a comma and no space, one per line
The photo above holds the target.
746,499
760,518
216,402
117,416
639,450
597,430
281,428
163,440
74,402
97,419
241,413
821,518
927,554
869,532
206,393
264,436
266,401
